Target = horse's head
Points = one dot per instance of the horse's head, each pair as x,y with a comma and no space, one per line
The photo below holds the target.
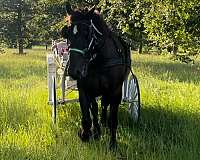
83,36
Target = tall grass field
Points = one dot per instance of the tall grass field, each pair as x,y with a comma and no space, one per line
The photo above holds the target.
169,128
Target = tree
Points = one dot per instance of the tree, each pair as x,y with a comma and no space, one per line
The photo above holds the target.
169,22
51,17
127,17
15,15
172,24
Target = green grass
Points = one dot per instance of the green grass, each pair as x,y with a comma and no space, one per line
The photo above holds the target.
170,116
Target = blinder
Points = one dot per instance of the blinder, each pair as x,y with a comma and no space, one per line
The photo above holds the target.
88,52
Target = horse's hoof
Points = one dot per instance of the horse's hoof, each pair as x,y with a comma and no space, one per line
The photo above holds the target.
113,146
97,133
84,136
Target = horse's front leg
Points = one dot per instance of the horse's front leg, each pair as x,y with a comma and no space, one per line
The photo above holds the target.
85,103
94,111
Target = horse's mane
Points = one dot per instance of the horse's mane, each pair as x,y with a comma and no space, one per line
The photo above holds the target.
97,18
100,22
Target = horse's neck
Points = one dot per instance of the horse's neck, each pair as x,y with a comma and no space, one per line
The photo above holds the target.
112,47
116,50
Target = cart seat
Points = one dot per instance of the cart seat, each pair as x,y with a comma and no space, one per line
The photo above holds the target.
61,49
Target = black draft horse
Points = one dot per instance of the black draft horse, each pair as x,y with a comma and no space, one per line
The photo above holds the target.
99,61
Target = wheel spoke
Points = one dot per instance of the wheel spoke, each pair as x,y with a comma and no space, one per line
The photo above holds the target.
134,92
134,98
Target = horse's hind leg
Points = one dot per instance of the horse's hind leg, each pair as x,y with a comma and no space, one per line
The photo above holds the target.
85,103
104,107
94,111
113,119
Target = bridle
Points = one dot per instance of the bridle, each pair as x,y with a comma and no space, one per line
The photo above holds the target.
94,48
94,35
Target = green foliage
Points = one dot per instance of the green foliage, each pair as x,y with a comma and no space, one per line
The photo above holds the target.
49,20
168,23
14,18
156,23
126,17
152,23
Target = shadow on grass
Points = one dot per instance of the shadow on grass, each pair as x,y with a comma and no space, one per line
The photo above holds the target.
166,134
174,71
153,119
160,134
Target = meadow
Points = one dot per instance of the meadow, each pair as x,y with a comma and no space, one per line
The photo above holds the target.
169,127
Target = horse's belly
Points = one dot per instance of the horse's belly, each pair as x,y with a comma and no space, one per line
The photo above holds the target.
106,82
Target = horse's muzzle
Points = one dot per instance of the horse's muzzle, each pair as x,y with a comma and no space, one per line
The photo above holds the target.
78,72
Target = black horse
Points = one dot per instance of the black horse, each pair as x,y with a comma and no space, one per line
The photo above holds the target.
99,61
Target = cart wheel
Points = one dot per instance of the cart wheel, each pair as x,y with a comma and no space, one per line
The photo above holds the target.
134,98
54,100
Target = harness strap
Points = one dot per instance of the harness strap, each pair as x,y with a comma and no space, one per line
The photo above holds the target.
78,50
95,28
113,62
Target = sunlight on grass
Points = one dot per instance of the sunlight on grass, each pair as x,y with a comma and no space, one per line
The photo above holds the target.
168,129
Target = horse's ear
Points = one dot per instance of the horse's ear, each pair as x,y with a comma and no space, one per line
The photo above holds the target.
64,32
68,8
91,12
98,9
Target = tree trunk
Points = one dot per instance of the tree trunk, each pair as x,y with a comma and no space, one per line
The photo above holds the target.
21,47
175,48
141,32
141,43
159,50
140,48
20,33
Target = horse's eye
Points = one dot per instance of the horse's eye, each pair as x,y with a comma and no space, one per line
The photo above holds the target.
75,30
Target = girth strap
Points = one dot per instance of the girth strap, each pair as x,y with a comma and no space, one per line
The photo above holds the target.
113,62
